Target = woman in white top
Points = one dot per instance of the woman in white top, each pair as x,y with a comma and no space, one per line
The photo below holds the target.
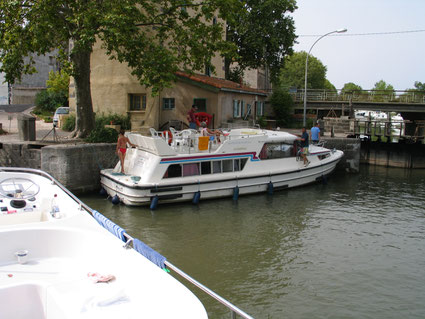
205,131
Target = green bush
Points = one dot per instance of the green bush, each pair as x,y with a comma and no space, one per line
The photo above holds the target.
262,121
102,135
282,104
69,123
116,119
46,101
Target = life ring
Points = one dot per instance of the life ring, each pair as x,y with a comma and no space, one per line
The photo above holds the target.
170,136
202,117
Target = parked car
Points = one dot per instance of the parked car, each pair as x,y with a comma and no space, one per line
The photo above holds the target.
59,111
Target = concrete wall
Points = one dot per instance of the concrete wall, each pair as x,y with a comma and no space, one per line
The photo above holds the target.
75,166
351,148
393,154
20,155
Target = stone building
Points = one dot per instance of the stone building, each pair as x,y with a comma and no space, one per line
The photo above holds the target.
115,90
24,92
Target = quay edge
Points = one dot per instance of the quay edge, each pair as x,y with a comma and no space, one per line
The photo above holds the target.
78,166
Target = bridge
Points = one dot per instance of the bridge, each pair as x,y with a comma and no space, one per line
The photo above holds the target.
369,100
326,103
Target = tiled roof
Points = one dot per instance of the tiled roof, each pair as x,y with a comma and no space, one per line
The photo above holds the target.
219,83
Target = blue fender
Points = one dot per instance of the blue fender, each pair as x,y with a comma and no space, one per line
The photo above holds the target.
115,200
154,202
236,193
196,197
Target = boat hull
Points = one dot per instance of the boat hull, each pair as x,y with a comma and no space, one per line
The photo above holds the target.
139,194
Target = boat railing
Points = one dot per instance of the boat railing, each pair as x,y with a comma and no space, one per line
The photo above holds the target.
233,309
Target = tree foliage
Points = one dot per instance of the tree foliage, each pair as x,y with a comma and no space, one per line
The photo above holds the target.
351,87
282,104
58,82
382,91
264,34
419,86
154,38
293,73
49,101
329,86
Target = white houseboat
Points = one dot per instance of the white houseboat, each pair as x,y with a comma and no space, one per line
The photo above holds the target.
187,166
56,261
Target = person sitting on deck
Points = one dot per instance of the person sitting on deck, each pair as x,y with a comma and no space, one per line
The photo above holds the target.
205,131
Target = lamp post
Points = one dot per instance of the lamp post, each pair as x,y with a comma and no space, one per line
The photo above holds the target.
306,70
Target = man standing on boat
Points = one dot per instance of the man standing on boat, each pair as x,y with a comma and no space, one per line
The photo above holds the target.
304,146
191,117
122,148
315,134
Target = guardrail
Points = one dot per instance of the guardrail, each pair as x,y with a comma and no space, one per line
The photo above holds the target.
361,96
233,309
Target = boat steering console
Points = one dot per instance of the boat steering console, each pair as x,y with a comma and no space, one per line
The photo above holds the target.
17,193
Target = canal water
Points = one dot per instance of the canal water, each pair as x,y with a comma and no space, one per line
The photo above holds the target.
353,248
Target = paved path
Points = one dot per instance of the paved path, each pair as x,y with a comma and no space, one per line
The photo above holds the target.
9,121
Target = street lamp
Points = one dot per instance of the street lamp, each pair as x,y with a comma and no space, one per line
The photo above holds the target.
306,69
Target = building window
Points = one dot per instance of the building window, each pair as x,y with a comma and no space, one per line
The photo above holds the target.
168,103
260,108
137,102
237,108
201,104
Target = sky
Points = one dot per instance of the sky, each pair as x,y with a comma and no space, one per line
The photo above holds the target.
398,59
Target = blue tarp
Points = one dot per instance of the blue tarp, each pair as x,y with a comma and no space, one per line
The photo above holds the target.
149,253
109,225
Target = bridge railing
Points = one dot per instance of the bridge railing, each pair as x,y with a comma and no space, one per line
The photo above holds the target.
361,96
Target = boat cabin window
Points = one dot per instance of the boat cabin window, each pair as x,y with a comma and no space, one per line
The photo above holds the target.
190,169
227,166
276,150
216,167
323,156
239,164
205,168
174,170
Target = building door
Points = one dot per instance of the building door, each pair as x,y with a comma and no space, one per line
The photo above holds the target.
201,104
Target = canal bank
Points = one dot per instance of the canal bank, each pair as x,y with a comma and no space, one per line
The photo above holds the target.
400,155
77,166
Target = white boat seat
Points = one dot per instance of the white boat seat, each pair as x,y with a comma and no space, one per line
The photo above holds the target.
154,133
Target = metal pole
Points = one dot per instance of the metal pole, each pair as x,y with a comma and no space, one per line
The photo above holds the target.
306,71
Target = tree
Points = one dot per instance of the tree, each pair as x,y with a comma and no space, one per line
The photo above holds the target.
293,73
154,38
58,82
351,87
329,86
382,91
264,34
419,86
282,104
